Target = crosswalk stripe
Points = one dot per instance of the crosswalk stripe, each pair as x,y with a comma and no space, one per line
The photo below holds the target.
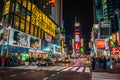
67,69
60,68
74,69
80,69
87,69
53,68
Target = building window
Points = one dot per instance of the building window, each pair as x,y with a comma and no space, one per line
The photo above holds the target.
24,3
32,30
36,30
16,22
39,32
27,27
22,25
33,19
29,6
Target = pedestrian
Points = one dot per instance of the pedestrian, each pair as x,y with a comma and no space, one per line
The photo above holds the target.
0,61
93,63
100,62
104,63
3,61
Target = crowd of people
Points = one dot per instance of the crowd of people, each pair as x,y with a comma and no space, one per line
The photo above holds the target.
102,62
8,61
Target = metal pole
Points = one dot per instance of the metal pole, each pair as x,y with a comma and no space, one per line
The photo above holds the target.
111,66
9,27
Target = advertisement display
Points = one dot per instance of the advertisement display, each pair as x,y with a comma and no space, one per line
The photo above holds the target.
116,50
45,45
77,46
77,38
18,38
35,43
48,37
100,44
107,43
1,36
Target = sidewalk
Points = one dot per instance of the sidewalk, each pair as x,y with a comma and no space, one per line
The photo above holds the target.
116,69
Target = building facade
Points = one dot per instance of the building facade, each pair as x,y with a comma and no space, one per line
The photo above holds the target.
32,29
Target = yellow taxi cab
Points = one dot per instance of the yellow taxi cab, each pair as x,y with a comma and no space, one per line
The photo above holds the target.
66,60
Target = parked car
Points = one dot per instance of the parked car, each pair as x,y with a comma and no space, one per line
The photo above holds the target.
45,62
66,60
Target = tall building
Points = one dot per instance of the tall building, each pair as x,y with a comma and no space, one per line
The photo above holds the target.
109,13
1,9
106,10
77,36
97,10
32,29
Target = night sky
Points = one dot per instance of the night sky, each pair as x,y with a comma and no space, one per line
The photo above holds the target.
83,10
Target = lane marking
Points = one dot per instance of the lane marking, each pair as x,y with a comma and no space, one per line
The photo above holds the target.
80,69
53,75
13,75
24,73
87,69
60,68
45,78
67,69
74,69
32,71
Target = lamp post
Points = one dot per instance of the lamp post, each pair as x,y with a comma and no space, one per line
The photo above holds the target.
111,66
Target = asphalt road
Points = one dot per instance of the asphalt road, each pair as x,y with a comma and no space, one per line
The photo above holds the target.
60,72
34,74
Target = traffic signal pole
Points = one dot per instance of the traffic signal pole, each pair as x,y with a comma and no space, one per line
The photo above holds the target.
110,49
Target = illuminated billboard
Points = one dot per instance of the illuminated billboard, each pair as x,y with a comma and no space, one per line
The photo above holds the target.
116,50
100,44
35,42
77,38
77,46
48,37
18,38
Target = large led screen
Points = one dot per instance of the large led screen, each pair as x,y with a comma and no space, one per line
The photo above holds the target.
77,46
18,38
100,44
77,38
35,43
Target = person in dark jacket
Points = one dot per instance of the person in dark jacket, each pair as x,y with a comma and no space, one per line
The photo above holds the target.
104,63
93,63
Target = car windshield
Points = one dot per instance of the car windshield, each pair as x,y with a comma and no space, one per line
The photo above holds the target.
66,58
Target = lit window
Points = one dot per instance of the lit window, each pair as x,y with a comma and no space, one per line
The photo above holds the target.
22,25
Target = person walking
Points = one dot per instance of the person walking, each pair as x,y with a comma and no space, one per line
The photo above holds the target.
93,63
3,61
100,62
104,63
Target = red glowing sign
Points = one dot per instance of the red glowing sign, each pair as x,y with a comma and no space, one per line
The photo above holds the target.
116,50
100,44
77,46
